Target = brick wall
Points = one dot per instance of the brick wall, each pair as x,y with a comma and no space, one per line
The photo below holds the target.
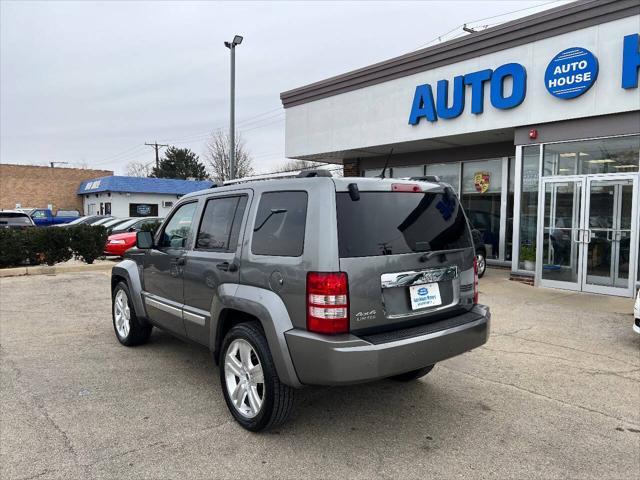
38,187
351,168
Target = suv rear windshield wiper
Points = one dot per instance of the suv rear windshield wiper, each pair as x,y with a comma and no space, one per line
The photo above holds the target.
430,254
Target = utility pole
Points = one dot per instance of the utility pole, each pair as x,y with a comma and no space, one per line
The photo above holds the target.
156,146
237,40
53,164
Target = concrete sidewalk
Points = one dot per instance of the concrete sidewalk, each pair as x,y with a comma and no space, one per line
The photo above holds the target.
72,266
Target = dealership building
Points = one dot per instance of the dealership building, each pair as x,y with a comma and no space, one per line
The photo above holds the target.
535,123
122,196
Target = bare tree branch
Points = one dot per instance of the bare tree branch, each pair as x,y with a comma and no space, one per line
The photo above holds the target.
292,165
139,169
216,157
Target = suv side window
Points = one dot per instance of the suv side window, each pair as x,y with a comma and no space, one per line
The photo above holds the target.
219,228
280,224
177,229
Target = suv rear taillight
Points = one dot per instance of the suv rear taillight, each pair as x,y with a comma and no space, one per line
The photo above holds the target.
475,280
327,302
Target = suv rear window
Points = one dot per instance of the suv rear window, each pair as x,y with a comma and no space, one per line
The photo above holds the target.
280,224
13,218
392,223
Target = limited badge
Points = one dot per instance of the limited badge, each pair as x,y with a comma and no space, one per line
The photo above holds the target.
481,181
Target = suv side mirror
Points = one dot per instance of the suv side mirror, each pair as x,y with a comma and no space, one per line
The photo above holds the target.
144,240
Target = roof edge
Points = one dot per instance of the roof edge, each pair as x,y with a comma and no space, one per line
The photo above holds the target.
545,24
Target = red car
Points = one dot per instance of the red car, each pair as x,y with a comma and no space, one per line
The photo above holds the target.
120,243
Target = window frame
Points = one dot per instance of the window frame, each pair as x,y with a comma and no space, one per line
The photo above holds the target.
255,219
233,220
165,224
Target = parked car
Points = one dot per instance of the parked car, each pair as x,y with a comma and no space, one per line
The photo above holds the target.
135,224
636,313
114,222
15,219
307,281
84,220
481,252
43,217
100,221
119,243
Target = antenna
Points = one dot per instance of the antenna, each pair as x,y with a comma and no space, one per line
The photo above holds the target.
386,164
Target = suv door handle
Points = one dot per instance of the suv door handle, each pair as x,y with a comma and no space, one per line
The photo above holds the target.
227,267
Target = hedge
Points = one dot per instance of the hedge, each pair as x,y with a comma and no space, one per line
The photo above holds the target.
50,245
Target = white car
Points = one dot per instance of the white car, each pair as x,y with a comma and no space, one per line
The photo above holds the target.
636,314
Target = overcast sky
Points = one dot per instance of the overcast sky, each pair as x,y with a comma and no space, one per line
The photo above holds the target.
90,82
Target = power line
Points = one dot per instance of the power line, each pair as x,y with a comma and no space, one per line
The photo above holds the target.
514,11
156,147
120,156
441,37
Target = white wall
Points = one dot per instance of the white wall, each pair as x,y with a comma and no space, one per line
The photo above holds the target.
120,202
379,114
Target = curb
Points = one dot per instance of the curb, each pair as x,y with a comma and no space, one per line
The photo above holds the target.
54,270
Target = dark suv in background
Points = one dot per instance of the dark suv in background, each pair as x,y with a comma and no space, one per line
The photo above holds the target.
307,281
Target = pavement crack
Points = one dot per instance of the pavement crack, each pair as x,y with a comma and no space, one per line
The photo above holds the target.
38,402
31,477
569,348
574,364
523,329
542,395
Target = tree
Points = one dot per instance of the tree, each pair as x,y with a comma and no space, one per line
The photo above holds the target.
138,169
180,163
293,165
217,157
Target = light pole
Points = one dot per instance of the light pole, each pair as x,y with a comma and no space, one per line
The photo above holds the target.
237,40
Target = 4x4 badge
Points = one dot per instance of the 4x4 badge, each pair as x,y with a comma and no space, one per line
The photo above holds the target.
361,316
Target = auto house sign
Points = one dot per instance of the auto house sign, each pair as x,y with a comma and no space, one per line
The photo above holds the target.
571,73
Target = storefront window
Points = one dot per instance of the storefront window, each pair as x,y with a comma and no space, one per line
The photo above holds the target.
405,172
509,230
375,172
529,207
448,173
588,157
481,192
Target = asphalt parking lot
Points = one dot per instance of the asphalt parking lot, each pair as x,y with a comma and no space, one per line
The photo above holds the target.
554,394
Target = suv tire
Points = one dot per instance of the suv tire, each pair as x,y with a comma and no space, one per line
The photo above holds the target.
130,330
245,359
413,374
481,258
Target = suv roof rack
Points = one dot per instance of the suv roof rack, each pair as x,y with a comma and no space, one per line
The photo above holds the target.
314,173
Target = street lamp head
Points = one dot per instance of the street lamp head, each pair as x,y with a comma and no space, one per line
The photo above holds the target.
237,40
227,44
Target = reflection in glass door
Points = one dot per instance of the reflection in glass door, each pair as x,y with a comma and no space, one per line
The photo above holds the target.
588,238
609,232
561,245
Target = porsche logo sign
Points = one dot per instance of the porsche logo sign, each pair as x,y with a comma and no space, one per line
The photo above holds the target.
481,181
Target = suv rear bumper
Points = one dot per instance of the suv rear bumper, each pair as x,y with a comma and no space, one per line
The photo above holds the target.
344,359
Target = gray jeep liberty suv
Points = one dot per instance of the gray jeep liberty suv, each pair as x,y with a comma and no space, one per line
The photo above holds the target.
307,281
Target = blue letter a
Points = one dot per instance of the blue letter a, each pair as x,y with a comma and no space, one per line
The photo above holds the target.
422,105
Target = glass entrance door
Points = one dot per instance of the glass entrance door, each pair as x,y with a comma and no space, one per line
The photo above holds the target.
589,234
561,234
608,263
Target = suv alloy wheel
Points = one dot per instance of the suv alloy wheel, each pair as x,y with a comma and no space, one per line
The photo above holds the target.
250,384
130,330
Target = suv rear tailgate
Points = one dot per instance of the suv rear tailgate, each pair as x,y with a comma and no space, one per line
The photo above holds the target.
408,257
